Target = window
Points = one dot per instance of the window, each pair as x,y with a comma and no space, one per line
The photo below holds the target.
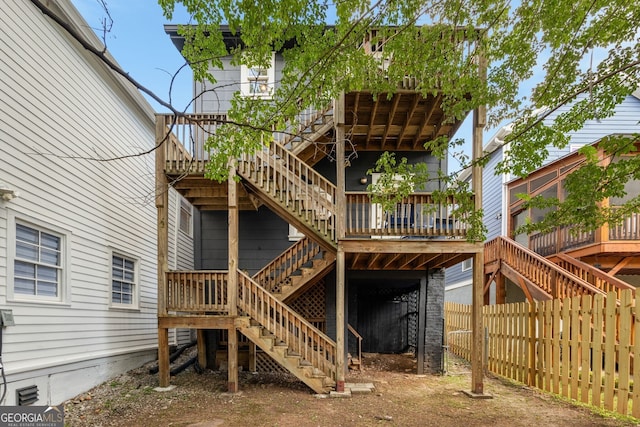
123,281
186,217
37,262
258,81
467,264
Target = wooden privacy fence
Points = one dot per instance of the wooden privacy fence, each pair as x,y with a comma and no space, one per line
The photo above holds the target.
581,348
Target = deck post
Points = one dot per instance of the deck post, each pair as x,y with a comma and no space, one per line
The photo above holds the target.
232,358
232,281
339,117
477,359
234,229
202,348
162,205
477,329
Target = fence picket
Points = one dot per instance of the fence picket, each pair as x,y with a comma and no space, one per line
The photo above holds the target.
623,351
597,360
583,347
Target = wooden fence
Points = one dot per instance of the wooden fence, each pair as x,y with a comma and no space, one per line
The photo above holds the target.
581,348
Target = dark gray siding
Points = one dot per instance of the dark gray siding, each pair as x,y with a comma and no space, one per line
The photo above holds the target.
263,236
366,160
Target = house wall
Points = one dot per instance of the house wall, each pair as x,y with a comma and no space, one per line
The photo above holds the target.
263,236
180,255
216,97
60,108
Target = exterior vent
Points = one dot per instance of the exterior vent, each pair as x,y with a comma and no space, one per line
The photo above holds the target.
27,395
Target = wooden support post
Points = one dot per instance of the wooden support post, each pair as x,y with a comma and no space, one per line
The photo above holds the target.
232,358
501,289
162,205
163,357
202,348
477,359
341,201
340,321
253,362
234,230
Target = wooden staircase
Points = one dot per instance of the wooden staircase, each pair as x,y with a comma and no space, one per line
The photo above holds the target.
285,336
298,268
541,279
293,190
307,137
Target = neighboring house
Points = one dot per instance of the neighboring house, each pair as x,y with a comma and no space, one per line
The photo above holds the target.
496,200
77,232
277,264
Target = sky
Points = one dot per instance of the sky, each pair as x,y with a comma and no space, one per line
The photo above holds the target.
139,44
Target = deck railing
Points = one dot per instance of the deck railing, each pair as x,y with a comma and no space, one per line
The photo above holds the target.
563,239
292,137
197,292
185,140
418,215
628,229
274,274
300,336
594,276
549,277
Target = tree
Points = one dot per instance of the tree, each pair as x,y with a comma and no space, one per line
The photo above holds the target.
584,53
437,41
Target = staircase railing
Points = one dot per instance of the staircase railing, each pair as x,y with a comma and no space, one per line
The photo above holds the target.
292,184
598,278
300,336
197,292
549,277
274,274
305,120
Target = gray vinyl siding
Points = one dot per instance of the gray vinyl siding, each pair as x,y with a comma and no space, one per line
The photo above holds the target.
60,108
624,121
263,236
216,97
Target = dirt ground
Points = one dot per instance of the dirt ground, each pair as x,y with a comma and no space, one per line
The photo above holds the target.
401,398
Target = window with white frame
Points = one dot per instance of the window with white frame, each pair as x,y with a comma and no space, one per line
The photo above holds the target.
37,262
123,280
186,217
467,264
258,81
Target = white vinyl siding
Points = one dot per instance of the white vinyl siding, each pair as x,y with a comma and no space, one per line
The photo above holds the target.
61,112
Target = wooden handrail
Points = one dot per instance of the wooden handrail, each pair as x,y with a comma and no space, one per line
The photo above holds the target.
417,215
273,275
304,120
359,338
293,184
593,275
300,336
197,291
549,277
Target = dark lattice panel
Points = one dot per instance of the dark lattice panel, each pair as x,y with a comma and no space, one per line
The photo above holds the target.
412,322
265,363
311,305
